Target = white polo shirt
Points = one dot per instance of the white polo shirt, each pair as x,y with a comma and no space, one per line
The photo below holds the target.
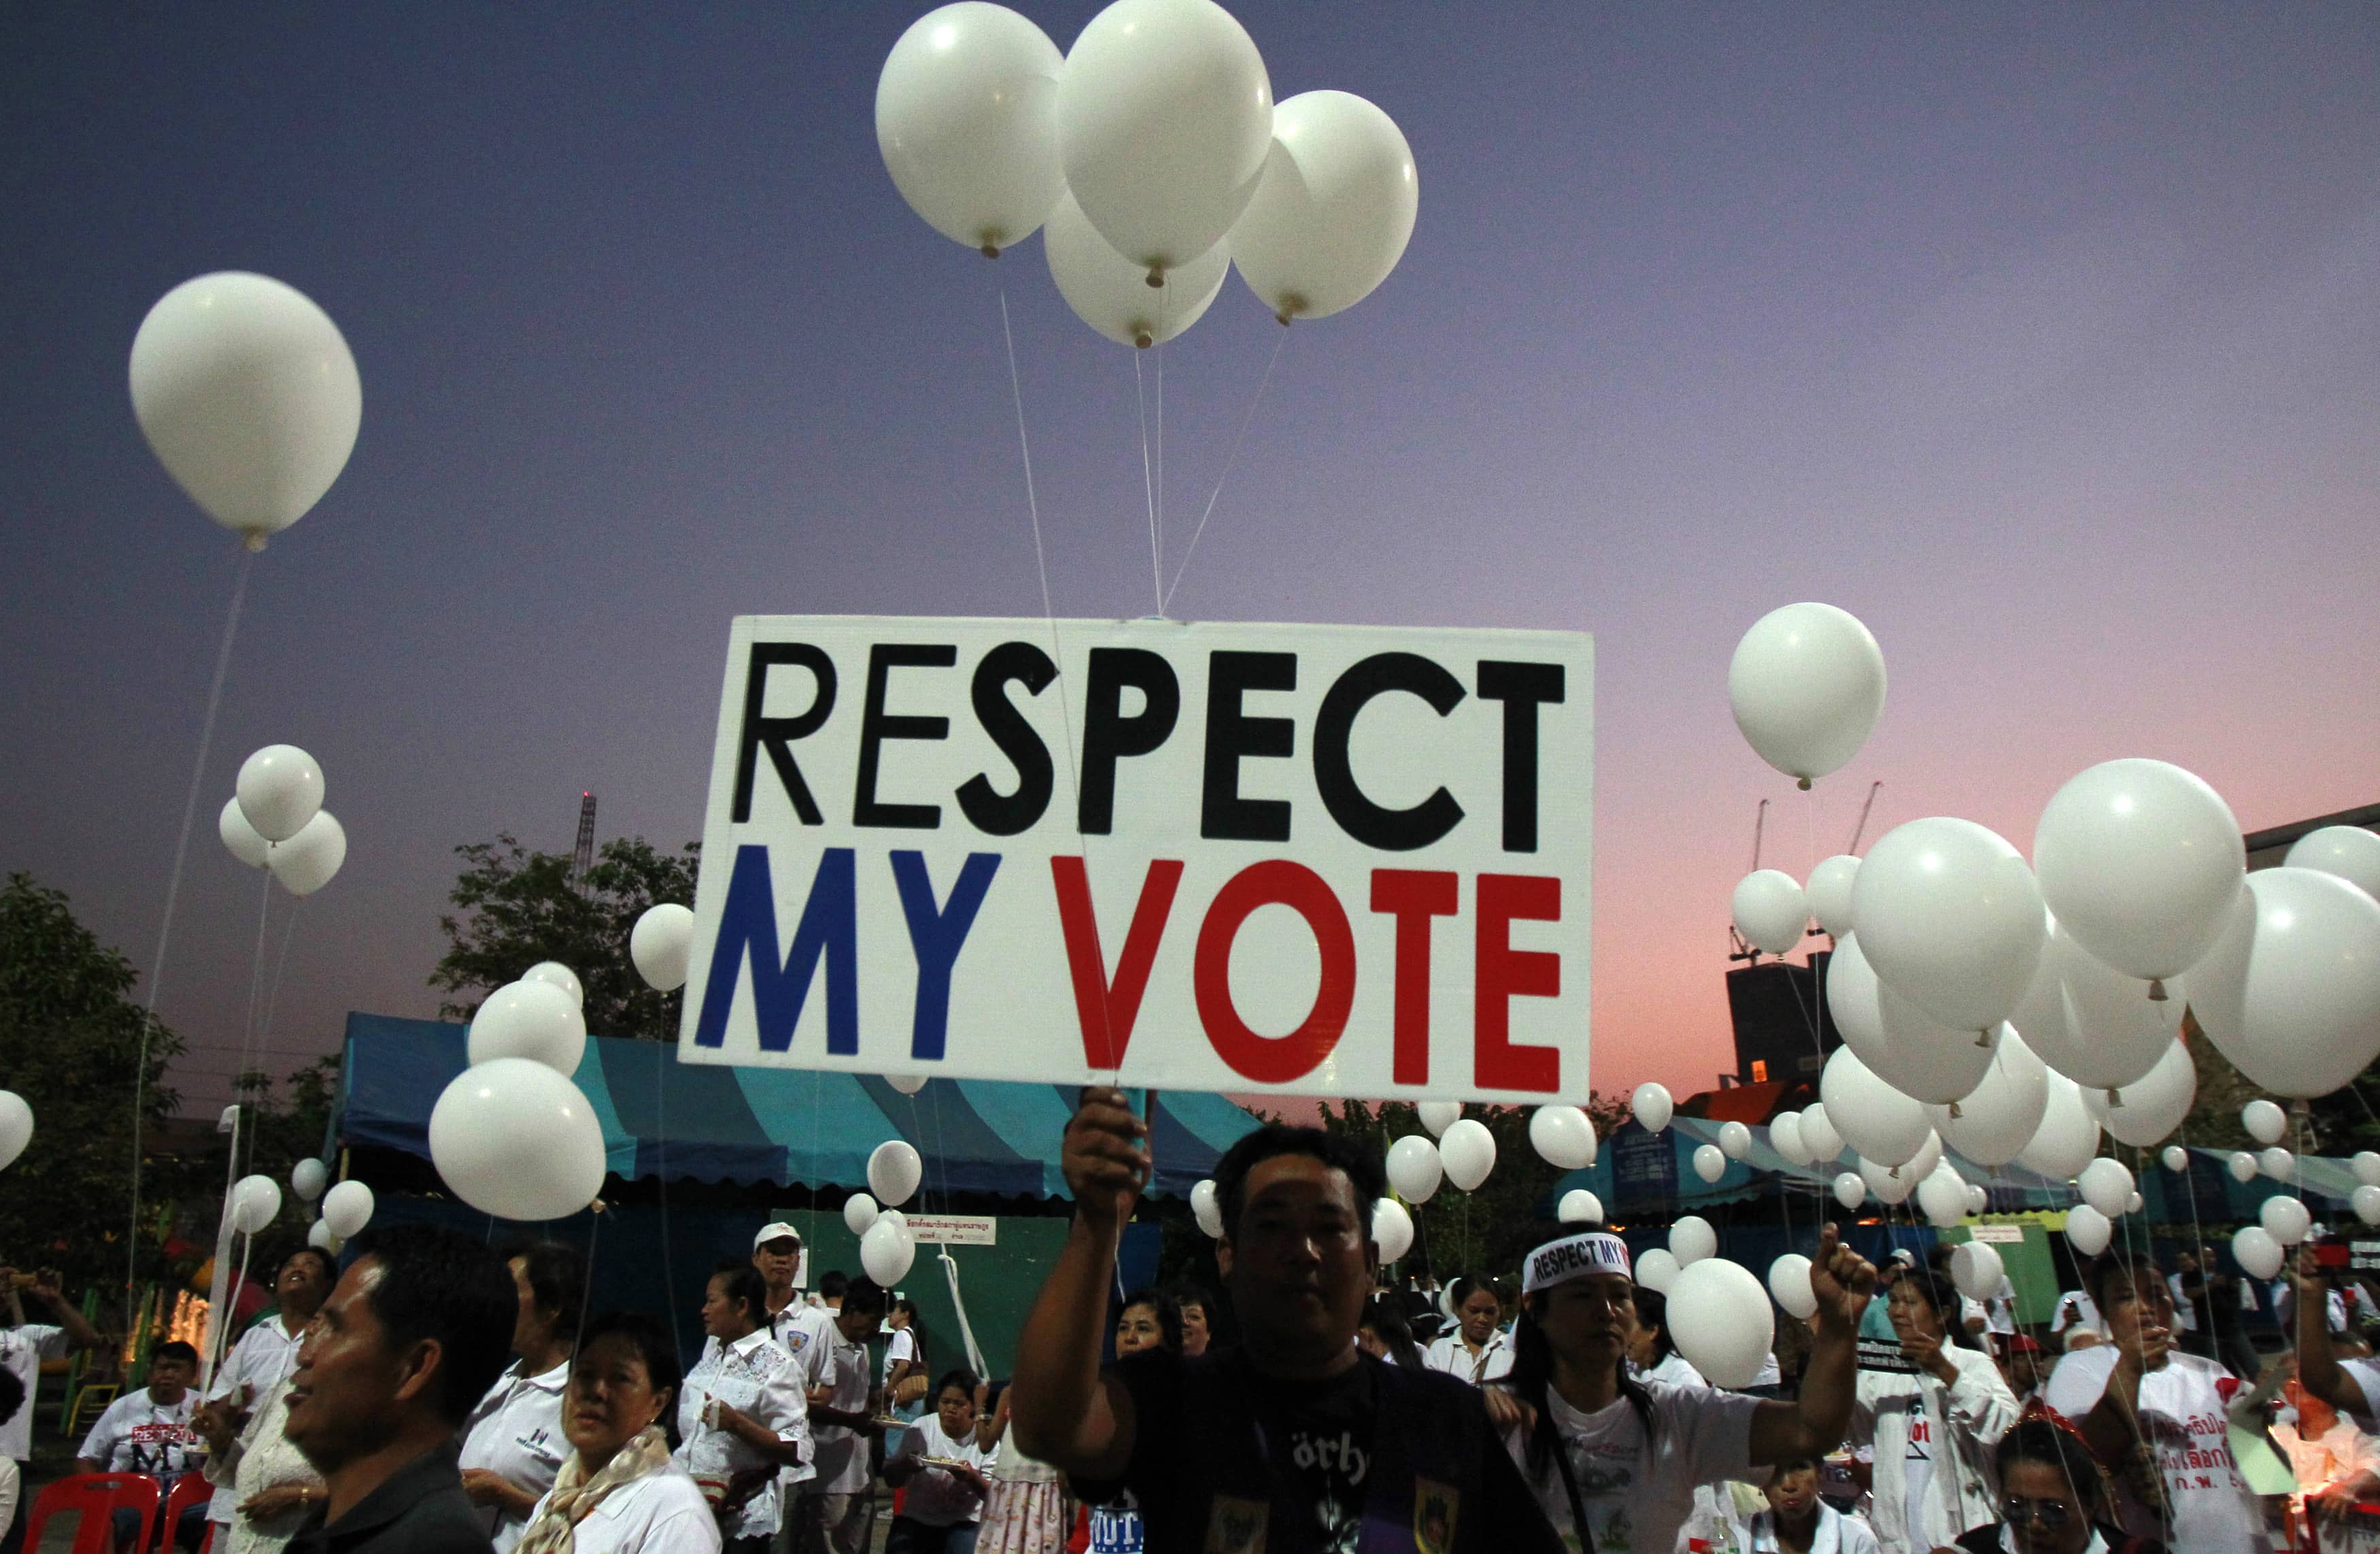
263,1358
516,1433
842,1460
1454,1357
22,1350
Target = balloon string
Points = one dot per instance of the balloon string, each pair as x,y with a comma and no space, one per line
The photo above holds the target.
165,928
1164,294
1245,420
280,965
247,1055
1148,484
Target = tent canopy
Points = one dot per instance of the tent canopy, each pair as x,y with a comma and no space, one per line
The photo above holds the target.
691,1121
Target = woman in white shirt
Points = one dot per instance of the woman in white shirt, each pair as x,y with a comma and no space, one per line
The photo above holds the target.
942,1467
905,1358
1929,1432
511,1442
620,1491
744,1413
1476,1350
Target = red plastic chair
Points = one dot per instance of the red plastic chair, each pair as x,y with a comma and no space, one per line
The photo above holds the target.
93,1495
191,1489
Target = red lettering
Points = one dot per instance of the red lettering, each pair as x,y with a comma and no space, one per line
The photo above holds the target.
1269,1060
1502,974
1107,1011
1413,896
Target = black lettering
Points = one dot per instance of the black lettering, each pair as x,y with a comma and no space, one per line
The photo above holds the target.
986,809
1394,831
777,735
1519,686
1233,735
876,725
1109,735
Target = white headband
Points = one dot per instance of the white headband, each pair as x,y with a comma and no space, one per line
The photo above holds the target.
1559,1262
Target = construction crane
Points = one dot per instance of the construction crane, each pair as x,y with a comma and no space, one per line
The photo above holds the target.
583,857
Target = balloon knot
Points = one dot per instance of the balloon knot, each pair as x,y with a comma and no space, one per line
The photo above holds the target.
990,250
2157,990
252,540
1954,1109
1156,275
1802,784
1143,340
1983,1039
2115,1098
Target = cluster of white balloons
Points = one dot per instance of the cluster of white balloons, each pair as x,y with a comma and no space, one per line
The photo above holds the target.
886,1246
512,1135
1156,155
347,1210
275,821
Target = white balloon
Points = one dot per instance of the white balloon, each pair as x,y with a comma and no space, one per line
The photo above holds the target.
1415,1168
2256,1251
2067,1137
1439,1115
1978,1200
1992,1122
1788,1285
239,838
2365,1201
516,1139
2087,1229
1873,1118
1948,915
1976,1269
1901,1044
1887,1184
2090,1021
1806,685
1942,1198
1656,1270
560,975
248,396
347,1209
1709,1163
1651,1107
1579,1207
1770,910
886,1252
1734,1140
1692,1239
894,1171
1207,1210
1112,295
2177,1159
308,1178
1332,210
308,860
1720,1319
1165,118
895,1216
2266,1122
1785,1138
907,1083
860,1211
2105,1185
967,117
1820,1136
2287,1221
2290,992
2366,1166
279,790
1850,1189
255,1203
2350,852
1469,1152
2139,860
2241,1165
16,1127
660,944
317,1235
1392,1229
1829,890
2150,1108
2134,1204
535,1020
2277,1163
1563,1137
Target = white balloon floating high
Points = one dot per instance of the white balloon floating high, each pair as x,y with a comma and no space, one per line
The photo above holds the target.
1112,295
1709,1163
1902,1045
1770,910
2350,852
860,1211
539,1020
1850,1189
2067,1137
248,396
1439,1115
2266,1122
1651,1107
559,975
1887,1184
966,118
1734,1140
1994,1122
660,945
1829,891
2285,1219
2141,861
1332,210
311,860
1165,119
2366,1166
1942,1198
239,838
255,1204
1806,685
1978,1199
1721,1321
1563,1137
2151,1107
1207,1210
1785,1138
317,1235
1692,1239
2105,1185
1876,1120
2088,1230
2365,1201
347,1209
2089,1021
2290,990
1579,1207
1415,1168
2176,1158
1976,1269
1948,915
1820,1136
1656,1270
1392,1229
1788,1285
2277,1163
894,1171
2241,1165
279,789
307,1179
1469,1151
2256,1251
886,1252
514,1138
907,1083
16,1127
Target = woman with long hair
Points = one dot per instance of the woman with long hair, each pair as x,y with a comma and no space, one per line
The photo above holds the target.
513,1443
904,1361
1927,1429
620,1491
1614,1461
1384,1335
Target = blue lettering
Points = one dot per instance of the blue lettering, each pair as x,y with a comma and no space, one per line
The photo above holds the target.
748,926
937,935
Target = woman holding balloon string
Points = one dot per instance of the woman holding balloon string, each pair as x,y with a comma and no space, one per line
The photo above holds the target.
1926,1433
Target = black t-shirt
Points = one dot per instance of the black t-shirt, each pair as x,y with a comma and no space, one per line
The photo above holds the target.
1321,1444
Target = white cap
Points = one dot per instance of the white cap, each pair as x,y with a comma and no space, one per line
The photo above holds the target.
780,1231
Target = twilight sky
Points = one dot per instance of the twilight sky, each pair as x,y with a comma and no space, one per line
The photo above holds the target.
2047,340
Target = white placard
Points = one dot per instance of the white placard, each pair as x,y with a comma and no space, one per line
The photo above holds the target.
956,1229
1322,860
2003,1236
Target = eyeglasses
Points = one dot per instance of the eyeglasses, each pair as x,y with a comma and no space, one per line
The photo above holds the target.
2052,1514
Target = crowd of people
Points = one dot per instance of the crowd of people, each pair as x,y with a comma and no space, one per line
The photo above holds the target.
434,1395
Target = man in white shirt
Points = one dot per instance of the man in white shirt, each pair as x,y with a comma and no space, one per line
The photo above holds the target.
264,1355
835,1514
148,1430
23,1346
801,1330
777,1253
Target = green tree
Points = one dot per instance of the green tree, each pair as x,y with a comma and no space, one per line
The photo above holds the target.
70,1041
519,907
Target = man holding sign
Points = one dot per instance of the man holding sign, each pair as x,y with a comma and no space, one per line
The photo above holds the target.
1297,1442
